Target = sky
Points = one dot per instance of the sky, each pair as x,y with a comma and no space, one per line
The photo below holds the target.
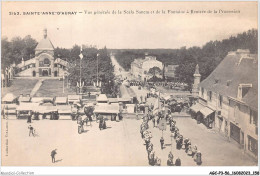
158,30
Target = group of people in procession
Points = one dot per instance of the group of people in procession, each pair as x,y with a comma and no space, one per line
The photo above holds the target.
185,144
181,143
146,135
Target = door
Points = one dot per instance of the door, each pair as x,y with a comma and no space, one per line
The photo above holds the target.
242,138
235,132
45,73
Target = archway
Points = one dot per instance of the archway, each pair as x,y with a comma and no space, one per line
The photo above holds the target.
55,74
46,61
45,73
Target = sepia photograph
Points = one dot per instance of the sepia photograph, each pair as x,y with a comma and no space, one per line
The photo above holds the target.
129,84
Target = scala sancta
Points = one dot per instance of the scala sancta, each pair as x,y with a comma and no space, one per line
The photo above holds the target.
43,64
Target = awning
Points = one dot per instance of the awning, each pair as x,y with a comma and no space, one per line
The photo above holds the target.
61,100
37,99
24,99
206,111
45,109
197,107
107,108
102,97
112,100
72,98
27,106
64,109
9,106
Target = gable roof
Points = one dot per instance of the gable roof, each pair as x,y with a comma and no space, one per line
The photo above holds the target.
235,69
102,97
45,44
9,97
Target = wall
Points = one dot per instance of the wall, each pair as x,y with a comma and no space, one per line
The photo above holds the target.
26,73
150,64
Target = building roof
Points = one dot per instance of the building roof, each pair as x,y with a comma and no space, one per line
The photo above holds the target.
73,97
235,69
24,99
45,43
61,100
27,106
171,67
102,97
37,99
9,97
27,62
64,109
107,108
113,100
139,61
61,61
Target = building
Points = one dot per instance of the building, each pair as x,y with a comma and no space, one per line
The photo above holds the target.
229,95
43,64
169,71
140,67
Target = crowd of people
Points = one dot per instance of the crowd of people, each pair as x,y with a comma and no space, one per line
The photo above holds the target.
181,143
185,144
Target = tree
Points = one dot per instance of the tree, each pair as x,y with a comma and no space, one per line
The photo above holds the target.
154,71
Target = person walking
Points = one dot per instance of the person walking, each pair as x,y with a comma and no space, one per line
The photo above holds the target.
31,130
153,121
162,142
53,153
170,155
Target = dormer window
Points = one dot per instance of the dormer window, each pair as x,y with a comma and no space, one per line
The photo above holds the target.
242,90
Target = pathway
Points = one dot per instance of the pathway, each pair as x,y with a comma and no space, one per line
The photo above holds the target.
36,87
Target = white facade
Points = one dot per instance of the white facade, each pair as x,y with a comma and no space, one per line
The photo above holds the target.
141,67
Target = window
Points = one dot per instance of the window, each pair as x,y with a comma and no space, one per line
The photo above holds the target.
46,61
202,91
252,145
253,117
210,96
220,100
55,65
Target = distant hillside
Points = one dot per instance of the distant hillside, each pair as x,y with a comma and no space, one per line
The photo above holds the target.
208,56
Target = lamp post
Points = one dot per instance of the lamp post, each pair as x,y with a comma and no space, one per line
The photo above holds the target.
63,82
80,84
97,68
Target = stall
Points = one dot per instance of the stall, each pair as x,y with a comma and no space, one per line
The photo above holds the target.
61,101
9,105
47,112
64,112
102,98
37,100
23,99
194,109
208,116
74,98
24,110
107,110
9,98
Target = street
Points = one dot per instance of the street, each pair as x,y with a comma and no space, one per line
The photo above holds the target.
118,145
